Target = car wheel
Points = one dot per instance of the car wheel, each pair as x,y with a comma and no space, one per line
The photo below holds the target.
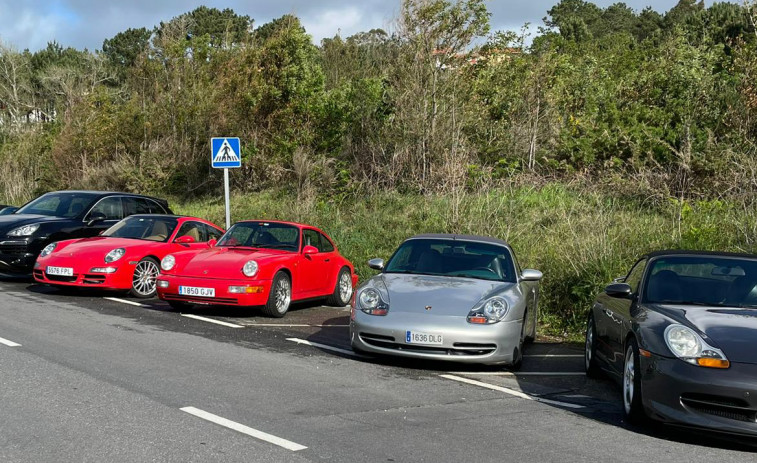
632,406
531,336
343,289
143,280
518,353
590,351
280,296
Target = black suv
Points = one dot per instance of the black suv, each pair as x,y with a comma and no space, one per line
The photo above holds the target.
62,215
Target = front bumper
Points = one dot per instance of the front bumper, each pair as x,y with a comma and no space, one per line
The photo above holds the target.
221,287
674,391
17,255
463,342
120,279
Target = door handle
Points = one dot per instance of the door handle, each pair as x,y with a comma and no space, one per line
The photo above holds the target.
326,260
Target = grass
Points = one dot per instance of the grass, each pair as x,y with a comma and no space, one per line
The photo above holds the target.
581,239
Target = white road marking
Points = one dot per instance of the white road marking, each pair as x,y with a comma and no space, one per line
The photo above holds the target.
210,320
556,355
519,373
326,347
295,325
512,392
124,301
9,343
289,445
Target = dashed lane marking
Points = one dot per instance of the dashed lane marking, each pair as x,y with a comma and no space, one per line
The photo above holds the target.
210,320
326,347
512,392
124,301
264,436
9,343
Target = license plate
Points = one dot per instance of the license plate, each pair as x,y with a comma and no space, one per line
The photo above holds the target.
194,291
417,337
62,271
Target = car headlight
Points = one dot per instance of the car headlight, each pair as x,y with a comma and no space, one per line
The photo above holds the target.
372,303
490,310
114,255
688,346
25,230
168,263
48,249
250,268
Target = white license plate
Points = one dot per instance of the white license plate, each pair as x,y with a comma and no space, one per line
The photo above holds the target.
417,337
194,291
62,271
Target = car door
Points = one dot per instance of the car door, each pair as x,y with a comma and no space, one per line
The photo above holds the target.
111,208
313,267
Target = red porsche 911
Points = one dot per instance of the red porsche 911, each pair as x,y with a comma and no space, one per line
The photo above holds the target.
259,263
126,256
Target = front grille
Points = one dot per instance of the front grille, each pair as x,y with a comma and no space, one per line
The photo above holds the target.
724,407
202,300
14,249
39,274
61,278
94,279
458,349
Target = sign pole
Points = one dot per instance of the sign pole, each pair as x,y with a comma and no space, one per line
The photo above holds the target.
226,193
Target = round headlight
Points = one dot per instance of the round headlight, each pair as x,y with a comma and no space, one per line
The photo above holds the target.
495,308
250,268
682,341
114,255
48,249
369,298
168,262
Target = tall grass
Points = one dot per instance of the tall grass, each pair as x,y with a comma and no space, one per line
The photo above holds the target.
580,238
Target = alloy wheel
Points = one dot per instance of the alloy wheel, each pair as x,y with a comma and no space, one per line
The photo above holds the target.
145,274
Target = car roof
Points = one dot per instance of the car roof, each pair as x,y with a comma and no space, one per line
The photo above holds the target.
456,237
284,222
685,252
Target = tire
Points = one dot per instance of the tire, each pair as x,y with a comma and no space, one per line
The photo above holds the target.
143,280
280,296
590,350
531,337
518,362
342,289
179,306
633,408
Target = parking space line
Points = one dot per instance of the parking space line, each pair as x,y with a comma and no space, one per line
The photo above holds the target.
555,355
519,373
264,436
124,301
509,391
210,320
296,325
326,347
9,343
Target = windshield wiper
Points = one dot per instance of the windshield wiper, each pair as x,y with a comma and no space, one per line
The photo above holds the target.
697,303
276,246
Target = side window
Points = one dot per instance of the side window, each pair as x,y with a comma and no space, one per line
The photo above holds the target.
634,276
154,207
130,206
213,233
194,229
326,245
111,207
311,238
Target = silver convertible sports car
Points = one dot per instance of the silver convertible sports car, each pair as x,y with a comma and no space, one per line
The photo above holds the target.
448,297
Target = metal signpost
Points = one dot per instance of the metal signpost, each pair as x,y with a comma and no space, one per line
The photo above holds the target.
225,154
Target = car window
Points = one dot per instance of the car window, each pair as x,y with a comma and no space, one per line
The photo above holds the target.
212,232
152,206
271,235
311,238
111,207
326,245
634,276
193,229
143,228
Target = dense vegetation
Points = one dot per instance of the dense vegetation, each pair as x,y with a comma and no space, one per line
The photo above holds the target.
608,133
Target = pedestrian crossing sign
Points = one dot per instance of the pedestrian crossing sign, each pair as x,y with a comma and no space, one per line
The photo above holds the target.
225,152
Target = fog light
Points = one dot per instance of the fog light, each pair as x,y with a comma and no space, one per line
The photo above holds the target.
103,270
245,289
162,284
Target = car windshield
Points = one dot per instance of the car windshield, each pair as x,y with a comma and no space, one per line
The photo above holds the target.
143,228
68,205
454,258
270,235
702,280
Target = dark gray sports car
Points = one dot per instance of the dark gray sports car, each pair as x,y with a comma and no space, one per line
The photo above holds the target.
679,333
448,297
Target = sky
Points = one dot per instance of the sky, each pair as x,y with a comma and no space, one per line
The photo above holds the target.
31,24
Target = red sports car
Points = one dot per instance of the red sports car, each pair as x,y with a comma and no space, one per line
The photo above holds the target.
126,256
259,263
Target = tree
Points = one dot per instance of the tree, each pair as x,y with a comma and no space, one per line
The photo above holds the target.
123,49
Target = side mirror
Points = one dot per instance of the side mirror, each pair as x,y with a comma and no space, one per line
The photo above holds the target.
212,243
619,290
530,274
186,239
376,264
308,250
95,217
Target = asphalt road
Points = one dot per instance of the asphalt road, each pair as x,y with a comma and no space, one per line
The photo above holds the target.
85,378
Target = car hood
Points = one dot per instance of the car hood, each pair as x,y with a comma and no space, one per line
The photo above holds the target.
101,245
447,296
11,221
734,330
225,262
